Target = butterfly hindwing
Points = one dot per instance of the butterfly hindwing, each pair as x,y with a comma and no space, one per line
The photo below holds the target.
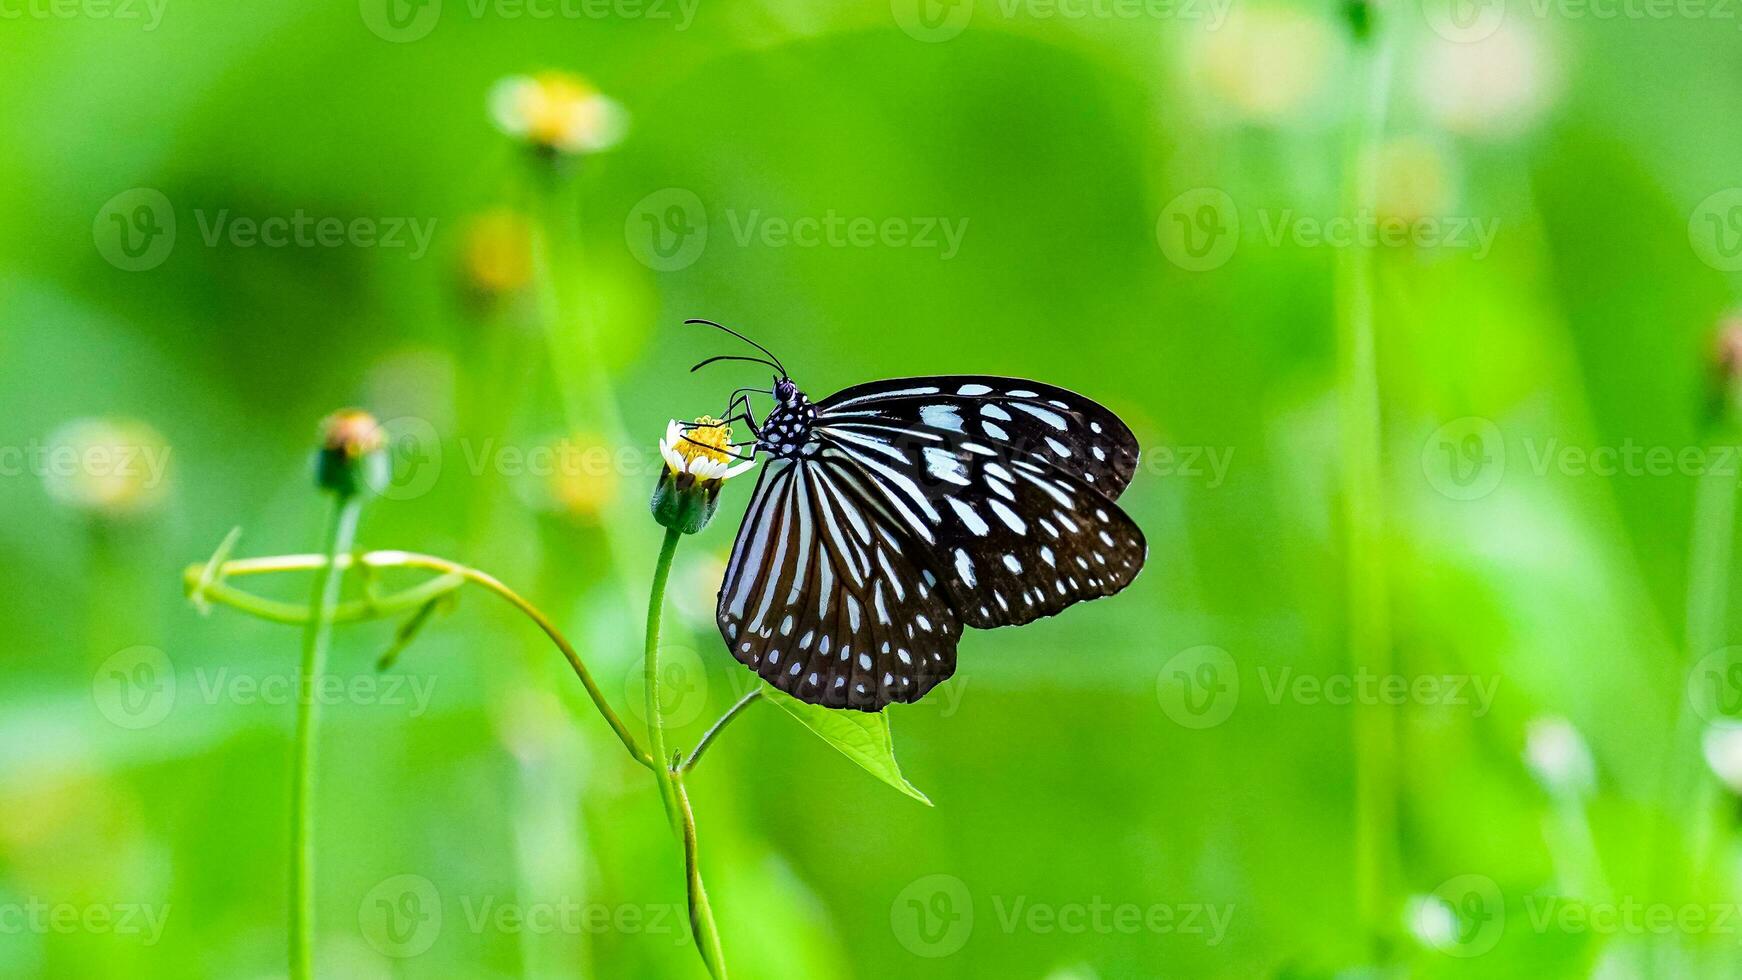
826,599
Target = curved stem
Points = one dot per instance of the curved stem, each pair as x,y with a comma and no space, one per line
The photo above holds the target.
708,738
407,559
340,535
650,672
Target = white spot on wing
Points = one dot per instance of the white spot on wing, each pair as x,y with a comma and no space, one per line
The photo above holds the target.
972,520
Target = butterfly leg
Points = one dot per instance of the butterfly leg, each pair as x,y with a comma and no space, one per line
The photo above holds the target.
727,451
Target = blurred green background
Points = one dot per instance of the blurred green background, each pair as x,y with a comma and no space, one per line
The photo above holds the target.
1147,206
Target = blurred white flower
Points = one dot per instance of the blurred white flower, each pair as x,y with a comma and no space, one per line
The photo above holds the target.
1264,63
1557,754
1497,86
557,112
1431,921
1723,745
107,467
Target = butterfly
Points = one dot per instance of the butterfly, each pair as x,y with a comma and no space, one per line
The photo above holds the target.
891,515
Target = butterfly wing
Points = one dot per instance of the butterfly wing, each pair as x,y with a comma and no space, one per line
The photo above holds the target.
1008,485
1045,424
825,596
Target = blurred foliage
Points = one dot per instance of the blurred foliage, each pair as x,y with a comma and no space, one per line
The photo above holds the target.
146,753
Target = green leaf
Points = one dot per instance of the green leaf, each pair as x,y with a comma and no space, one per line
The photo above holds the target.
862,736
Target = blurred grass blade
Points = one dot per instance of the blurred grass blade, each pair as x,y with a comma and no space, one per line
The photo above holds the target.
210,574
859,735
409,629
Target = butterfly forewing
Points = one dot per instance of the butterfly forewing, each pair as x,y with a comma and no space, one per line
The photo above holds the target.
1013,418
1005,481
823,595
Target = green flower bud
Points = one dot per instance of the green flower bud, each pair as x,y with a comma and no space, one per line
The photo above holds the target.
353,454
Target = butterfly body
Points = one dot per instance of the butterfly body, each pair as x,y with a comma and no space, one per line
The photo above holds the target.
786,432
892,515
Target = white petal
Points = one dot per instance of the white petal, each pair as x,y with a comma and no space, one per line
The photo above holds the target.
735,470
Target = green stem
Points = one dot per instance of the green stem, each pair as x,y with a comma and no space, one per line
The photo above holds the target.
407,559
671,789
708,738
341,533
1375,732
702,926
650,674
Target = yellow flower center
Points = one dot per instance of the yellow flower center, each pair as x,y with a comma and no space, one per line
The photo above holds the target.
562,102
710,439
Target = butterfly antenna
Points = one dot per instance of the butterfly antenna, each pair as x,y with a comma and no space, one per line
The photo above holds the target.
720,326
737,357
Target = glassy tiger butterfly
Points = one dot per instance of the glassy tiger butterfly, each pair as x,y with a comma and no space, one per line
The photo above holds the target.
890,515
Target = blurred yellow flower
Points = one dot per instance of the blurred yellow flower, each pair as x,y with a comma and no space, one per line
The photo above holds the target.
1263,63
556,112
107,467
1414,180
497,256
